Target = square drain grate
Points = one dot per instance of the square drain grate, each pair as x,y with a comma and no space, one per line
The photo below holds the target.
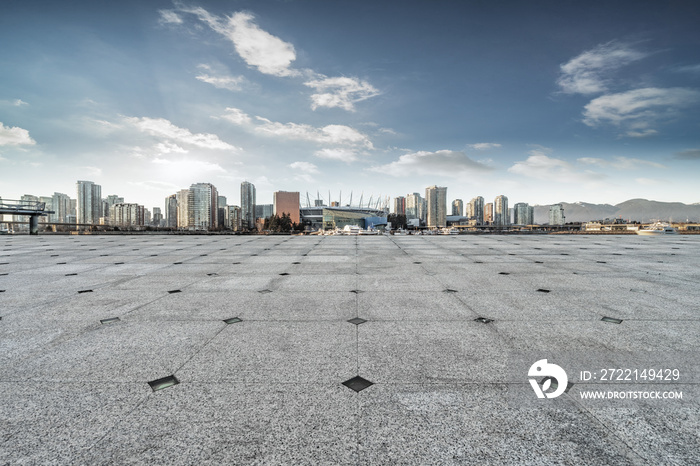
233,320
165,382
174,291
503,273
111,320
483,320
357,321
543,290
357,383
612,320
284,274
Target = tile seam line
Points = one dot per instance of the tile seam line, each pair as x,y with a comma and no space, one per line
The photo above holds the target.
610,431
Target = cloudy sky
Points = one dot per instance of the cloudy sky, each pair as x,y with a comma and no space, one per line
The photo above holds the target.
541,101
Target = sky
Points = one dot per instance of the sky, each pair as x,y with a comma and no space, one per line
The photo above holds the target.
541,101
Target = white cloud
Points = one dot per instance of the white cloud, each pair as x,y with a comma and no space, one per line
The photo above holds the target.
331,134
638,108
484,145
442,163
236,116
343,155
219,80
169,17
585,74
258,48
542,167
619,162
306,167
337,135
271,55
14,103
169,147
14,136
340,92
641,134
162,128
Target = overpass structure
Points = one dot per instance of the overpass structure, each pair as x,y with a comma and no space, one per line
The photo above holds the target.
32,209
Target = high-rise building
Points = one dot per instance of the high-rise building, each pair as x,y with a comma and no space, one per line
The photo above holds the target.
523,213
48,206
171,211
286,202
488,213
222,213
436,207
556,215
400,205
248,205
458,207
108,202
89,203
263,210
501,215
476,207
127,215
157,217
183,208
234,217
202,209
61,207
414,206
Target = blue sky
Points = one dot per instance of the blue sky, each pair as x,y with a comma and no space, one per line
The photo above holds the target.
541,101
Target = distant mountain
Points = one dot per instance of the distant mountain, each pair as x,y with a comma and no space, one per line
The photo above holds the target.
641,210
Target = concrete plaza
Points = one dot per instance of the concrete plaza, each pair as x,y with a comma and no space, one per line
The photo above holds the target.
86,322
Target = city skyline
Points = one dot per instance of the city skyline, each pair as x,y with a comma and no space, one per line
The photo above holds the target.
544,102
